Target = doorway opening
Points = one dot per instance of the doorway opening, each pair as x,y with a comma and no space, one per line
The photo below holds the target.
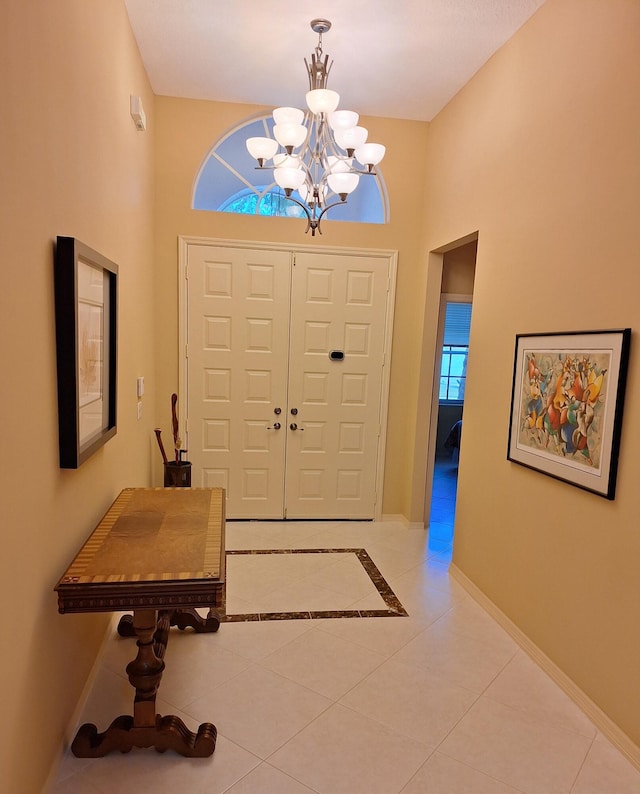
454,324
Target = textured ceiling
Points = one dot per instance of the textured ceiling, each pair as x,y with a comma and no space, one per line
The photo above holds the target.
399,59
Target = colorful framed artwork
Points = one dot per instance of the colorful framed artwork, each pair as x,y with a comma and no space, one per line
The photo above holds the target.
566,406
86,347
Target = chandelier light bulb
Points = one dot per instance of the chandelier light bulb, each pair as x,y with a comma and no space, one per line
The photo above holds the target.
288,116
307,194
338,165
289,179
287,160
343,119
262,148
370,154
343,184
290,135
322,100
351,138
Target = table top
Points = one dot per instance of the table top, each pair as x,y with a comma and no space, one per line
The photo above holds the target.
155,548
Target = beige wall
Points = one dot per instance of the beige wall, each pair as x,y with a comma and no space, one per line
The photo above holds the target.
186,130
458,269
539,153
71,163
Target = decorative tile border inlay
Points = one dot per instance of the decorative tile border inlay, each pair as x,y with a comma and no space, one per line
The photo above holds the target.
394,607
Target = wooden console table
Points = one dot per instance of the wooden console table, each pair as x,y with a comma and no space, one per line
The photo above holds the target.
158,552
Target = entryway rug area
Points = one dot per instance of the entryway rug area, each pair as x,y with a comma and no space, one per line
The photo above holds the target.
295,584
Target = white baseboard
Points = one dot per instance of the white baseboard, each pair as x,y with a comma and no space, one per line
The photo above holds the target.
400,519
602,722
397,517
73,724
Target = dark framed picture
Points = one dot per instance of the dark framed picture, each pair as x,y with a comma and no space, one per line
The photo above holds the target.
86,288
566,406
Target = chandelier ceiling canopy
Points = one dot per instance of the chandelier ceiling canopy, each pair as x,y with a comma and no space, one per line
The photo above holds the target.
313,151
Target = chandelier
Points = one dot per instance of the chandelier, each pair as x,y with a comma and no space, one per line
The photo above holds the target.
313,152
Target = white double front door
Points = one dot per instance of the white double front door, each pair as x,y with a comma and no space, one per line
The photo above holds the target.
286,378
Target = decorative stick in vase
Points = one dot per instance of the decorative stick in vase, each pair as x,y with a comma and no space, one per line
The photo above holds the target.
177,443
158,431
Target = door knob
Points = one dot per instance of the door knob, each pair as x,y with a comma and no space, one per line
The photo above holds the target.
294,426
275,426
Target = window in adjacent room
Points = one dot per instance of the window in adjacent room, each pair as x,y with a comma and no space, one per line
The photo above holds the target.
455,349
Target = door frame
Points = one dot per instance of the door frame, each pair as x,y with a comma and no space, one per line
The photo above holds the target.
183,312
425,446
445,297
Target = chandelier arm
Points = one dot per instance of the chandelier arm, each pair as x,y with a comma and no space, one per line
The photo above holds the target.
313,222
306,144
352,170
310,219
329,206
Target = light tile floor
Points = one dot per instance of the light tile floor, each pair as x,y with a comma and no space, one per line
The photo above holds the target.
442,701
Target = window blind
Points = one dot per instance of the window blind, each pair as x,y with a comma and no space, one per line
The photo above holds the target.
457,324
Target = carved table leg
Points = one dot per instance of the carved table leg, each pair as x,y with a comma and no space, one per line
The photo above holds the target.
189,617
182,618
146,728
125,626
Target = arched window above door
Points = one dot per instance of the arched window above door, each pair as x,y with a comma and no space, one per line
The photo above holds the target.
228,181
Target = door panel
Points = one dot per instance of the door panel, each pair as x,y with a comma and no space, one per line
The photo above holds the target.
338,309
238,329
301,334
